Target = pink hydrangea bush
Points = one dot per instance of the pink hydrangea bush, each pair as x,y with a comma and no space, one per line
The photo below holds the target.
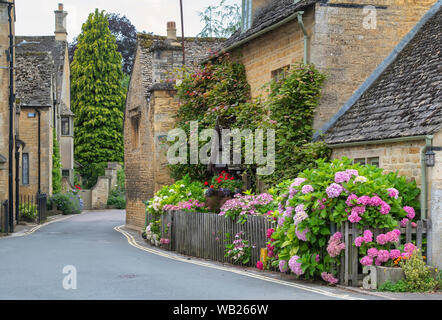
242,206
335,193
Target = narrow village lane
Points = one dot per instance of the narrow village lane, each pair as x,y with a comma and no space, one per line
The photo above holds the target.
108,267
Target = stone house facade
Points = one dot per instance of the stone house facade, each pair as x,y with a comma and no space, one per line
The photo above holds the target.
43,90
150,109
5,126
346,40
395,122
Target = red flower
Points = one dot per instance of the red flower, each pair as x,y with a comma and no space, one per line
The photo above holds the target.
206,183
211,186
226,178
232,178
77,187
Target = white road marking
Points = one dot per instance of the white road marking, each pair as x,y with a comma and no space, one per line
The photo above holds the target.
133,243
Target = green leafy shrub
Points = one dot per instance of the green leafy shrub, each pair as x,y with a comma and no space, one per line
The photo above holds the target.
337,192
68,203
117,198
417,274
28,212
399,286
181,191
238,249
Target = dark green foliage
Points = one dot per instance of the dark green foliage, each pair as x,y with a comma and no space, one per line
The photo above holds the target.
117,196
28,212
56,166
97,98
66,202
292,104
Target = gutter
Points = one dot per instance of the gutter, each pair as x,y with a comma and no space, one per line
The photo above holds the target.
306,37
424,183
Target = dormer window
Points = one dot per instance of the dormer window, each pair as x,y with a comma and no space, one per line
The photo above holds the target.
246,22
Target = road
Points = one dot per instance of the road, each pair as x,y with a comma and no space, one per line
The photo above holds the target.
108,267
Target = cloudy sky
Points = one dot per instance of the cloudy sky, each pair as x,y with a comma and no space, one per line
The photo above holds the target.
36,17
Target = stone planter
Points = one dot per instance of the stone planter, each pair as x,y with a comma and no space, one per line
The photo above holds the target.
392,274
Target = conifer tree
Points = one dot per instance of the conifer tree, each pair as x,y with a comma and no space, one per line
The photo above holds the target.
97,98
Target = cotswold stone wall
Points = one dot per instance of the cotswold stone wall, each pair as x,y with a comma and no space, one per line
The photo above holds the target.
28,128
274,50
401,156
348,52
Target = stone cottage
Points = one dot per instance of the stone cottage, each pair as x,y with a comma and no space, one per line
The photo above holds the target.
345,39
150,107
43,90
6,19
395,120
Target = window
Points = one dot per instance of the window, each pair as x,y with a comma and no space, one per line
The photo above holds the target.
65,127
246,22
65,173
25,168
371,161
280,73
31,115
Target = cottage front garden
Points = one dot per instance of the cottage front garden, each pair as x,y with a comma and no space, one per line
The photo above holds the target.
318,218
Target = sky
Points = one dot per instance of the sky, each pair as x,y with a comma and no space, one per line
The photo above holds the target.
36,17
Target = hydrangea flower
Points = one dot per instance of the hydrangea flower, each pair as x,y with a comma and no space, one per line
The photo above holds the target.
410,212
334,190
298,182
404,222
381,239
360,179
354,218
307,189
299,208
295,266
364,200
394,254
385,208
392,236
368,236
359,241
372,252
260,265
283,266
366,261
335,246
288,212
383,255
329,278
352,172
299,217
393,193
270,232
302,235
342,176
349,201
376,201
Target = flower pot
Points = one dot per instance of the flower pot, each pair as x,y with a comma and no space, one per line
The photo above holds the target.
392,274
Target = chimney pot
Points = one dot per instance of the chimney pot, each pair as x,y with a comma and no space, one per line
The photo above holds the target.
60,7
60,23
171,30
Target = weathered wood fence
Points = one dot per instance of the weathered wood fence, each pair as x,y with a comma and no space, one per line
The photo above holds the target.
350,269
203,235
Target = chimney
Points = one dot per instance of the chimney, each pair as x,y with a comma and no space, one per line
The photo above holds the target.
257,5
60,23
171,30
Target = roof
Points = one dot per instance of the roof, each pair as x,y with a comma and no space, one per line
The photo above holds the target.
196,50
275,12
33,78
41,57
406,98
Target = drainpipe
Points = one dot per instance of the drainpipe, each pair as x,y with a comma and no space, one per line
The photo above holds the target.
424,193
39,150
306,37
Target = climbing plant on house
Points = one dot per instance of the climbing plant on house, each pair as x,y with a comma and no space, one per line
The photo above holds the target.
56,166
97,98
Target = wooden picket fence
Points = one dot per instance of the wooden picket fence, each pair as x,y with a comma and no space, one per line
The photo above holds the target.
203,235
350,269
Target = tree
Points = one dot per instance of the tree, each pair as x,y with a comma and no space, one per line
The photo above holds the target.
97,98
126,37
220,21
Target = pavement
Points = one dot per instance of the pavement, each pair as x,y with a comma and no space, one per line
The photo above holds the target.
92,256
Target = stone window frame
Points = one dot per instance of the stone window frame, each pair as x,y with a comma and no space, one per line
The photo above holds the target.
280,73
65,171
25,169
62,121
375,161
